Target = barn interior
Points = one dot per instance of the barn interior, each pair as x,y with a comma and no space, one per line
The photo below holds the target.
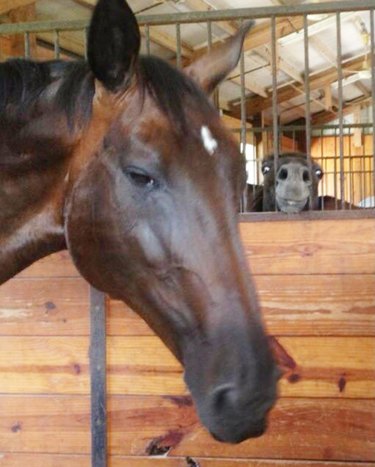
305,82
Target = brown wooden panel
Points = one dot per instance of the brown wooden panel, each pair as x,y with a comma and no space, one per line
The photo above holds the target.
56,265
58,460
38,365
300,246
44,307
310,246
45,424
44,460
336,305
117,461
299,428
316,366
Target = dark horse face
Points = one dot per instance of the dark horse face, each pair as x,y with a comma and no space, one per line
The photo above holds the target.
292,186
151,219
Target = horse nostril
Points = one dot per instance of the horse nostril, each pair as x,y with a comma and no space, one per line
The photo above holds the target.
283,174
224,397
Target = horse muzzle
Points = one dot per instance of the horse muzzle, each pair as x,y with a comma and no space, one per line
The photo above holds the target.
232,420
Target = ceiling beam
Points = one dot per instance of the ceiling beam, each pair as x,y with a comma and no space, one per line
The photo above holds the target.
324,117
257,104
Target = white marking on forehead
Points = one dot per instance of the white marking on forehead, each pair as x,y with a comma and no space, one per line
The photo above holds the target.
209,142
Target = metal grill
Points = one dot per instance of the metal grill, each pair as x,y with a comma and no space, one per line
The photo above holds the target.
345,148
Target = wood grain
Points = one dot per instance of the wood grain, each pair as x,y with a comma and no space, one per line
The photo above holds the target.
316,366
330,305
299,428
56,460
300,246
44,307
310,247
56,265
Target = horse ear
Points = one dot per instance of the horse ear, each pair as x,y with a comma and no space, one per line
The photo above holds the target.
212,68
113,43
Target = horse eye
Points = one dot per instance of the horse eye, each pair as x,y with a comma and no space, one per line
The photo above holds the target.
140,178
266,169
319,173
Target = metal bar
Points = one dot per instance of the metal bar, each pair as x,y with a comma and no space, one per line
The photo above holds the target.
372,49
27,45
178,45
148,41
307,85
56,44
85,41
244,206
200,16
307,100
274,97
98,379
340,109
209,35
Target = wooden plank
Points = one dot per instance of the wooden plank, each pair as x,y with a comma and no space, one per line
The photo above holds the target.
117,461
44,365
56,265
46,460
299,428
330,305
60,460
310,247
49,424
301,247
44,307
316,366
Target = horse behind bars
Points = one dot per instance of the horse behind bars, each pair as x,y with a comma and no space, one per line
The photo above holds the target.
125,162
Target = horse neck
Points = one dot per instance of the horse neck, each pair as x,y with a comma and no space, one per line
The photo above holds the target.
32,191
33,227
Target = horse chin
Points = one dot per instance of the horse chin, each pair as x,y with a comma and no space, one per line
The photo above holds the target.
289,206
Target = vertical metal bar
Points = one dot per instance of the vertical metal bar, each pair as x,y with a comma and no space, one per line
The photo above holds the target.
98,379
372,50
56,44
27,44
178,45
85,41
307,85
351,179
307,99
244,206
274,97
209,35
340,109
148,41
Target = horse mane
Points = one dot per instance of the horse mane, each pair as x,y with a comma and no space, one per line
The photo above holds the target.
171,90
22,83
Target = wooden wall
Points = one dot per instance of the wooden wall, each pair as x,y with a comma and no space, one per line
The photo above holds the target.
316,282
358,166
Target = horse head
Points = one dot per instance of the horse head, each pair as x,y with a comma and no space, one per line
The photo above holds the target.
292,186
150,217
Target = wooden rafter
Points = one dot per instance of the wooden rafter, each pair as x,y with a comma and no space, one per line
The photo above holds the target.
321,118
319,80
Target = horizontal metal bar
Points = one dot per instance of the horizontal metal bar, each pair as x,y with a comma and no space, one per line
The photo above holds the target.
361,213
288,128
201,16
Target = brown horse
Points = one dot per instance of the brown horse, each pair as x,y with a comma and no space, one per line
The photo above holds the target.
291,187
125,162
